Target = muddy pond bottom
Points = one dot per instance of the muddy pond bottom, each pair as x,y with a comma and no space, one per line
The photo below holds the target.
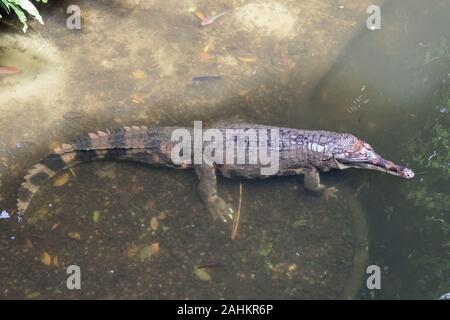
140,232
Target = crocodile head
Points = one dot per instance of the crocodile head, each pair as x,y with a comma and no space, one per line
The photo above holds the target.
352,152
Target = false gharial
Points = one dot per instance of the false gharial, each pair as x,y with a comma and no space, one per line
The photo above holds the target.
303,152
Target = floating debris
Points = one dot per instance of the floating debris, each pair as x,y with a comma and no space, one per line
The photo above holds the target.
433,155
154,248
209,265
139,74
210,19
154,223
137,100
55,261
56,225
237,216
202,274
198,14
46,259
265,250
300,223
61,180
96,216
145,252
74,235
4,215
247,59
359,101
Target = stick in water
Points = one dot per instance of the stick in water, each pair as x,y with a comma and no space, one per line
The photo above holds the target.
237,216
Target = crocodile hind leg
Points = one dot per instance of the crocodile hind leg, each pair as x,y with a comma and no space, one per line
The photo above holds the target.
208,193
312,183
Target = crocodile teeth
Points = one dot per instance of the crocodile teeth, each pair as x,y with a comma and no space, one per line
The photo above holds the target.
127,128
102,134
92,135
135,127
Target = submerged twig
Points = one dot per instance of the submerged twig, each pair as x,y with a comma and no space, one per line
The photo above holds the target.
237,216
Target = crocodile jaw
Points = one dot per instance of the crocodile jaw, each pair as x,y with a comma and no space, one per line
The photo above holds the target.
378,164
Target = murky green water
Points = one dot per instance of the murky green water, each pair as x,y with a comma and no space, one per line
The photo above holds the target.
139,232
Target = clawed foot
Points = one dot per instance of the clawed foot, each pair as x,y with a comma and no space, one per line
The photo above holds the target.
220,209
330,192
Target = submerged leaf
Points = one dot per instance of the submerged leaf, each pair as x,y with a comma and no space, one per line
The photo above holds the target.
265,250
55,261
154,223
74,235
96,216
46,259
61,180
154,248
202,274
139,74
145,252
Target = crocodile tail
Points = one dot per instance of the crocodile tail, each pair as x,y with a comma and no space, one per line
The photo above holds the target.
139,144
45,170
84,148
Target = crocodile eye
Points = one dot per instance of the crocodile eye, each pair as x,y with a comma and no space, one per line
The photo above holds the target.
368,146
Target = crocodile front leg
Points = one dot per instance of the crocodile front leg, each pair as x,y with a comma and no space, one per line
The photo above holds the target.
312,183
208,193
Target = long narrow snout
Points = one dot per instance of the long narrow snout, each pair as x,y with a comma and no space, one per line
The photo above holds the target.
379,164
390,167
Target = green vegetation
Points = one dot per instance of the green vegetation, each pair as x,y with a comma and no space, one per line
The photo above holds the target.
21,8
431,153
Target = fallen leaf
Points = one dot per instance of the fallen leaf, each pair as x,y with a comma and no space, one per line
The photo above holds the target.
137,100
202,274
46,259
145,252
56,225
74,235
292,267
265,250
200,15
72,172
139,74
96,216
33,295
154,248
61,180
154,223
247,59
55,261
